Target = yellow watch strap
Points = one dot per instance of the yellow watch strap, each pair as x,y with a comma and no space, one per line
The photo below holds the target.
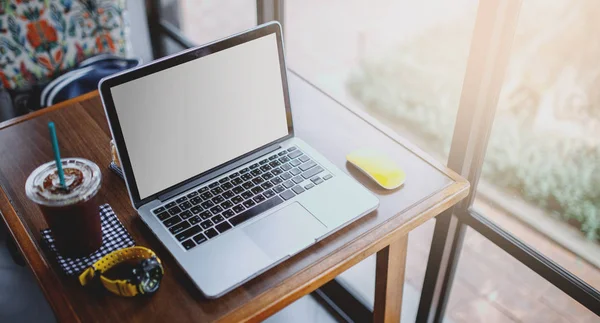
118,286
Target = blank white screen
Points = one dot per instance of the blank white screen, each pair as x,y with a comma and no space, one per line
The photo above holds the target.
185,120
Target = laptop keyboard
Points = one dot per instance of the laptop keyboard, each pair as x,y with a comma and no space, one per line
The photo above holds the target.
204,213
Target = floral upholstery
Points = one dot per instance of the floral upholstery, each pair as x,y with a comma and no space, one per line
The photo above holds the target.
40,39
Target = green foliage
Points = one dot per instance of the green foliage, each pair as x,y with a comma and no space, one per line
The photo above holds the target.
559,174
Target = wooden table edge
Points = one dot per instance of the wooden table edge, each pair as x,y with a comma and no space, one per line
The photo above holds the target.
381,236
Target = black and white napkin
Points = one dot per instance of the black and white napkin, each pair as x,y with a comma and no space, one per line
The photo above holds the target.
114,237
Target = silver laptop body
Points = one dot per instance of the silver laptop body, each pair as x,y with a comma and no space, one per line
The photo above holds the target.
230,221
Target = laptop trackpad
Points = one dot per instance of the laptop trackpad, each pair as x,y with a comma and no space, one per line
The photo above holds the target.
286,231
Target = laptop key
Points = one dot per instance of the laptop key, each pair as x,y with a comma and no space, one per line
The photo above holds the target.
264,161
291,148
304,158
309,186
188,244
248,185
185,205
237,190
174,210
276,171
286,166
216,210
227,204
206,224
256,172
207,204
298,189
188,233
267,176
172,221
285,176
328,176
205,215
244,170
317,180
248,203
238,208
211,233
307,165
158,210
266,185
312,172
185,214
250,213
213,185
217,219
181,199
238,181
194,220
223,180
256,189
237,199
265,168
203,189
268,193
288,184
295,171
229,194
226,186
295,162
223,227
287,195
196,209
281,153
179,227
272,157
218,199
278,189
234,175
206,195
284,159
298,179
258,198
170,205
192,194
247,195
274,163
295,154
276,180
163,216
196,200
246,177
257,180
200,238
254,166
216,191
228,213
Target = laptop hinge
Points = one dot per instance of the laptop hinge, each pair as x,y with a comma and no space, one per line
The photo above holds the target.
218,172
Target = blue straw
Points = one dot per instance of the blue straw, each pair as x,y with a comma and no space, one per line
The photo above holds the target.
54,139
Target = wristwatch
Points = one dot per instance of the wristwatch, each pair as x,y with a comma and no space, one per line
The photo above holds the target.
144,279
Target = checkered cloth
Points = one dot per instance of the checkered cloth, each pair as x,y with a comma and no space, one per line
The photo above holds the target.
114,237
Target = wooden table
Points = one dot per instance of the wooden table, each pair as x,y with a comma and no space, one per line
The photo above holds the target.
329,127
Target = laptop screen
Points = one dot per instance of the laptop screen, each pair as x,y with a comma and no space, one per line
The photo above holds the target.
187,119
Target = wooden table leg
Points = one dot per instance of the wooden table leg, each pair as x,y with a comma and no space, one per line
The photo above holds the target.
389,281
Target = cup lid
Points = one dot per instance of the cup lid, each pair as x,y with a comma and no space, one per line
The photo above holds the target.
82,177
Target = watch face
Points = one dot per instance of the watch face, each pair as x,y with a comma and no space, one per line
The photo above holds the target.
148,276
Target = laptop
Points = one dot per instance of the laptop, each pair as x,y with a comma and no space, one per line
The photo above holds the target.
207,146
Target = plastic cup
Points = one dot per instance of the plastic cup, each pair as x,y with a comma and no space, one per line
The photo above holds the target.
72,214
